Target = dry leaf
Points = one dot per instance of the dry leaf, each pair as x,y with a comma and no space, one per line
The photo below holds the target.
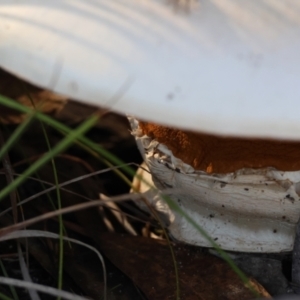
149,264
26,94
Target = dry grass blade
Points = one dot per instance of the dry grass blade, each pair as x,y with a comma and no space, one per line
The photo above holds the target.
122,219
65,210
41,288
53,187
26,276
13,199
46,234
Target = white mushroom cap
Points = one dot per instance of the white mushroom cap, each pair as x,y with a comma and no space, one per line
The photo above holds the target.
226,67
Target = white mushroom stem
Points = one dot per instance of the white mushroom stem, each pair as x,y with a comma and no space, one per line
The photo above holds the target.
251,210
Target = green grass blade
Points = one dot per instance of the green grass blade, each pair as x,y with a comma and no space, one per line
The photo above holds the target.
4,297
16,135
113,159
66,142
60,217
60,127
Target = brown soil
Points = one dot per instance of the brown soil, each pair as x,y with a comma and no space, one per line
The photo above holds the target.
215,154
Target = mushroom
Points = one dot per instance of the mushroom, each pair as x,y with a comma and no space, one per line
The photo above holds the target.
226,68
243,192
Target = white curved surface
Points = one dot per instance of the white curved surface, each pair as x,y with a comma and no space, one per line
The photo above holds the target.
249,210
226,67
